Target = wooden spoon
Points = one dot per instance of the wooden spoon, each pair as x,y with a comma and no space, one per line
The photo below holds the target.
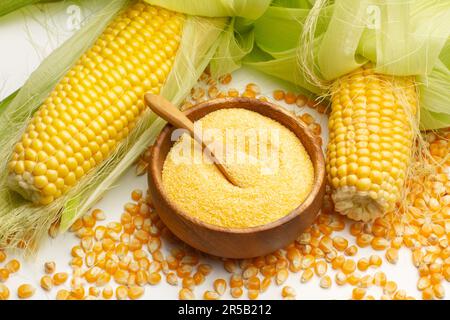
166,110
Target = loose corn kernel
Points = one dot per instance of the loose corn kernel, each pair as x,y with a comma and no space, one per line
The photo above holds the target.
349,266
230,266
77,252
199,278
220,285
320,268
107,292
379,243
390,287
188,282
88,221
77,225
356,228
435,268
340,278
278,95
423,283
98,215
172,279
399,295
265,284
59,278
366,281
205,269
94,291
290,97
210,295
337,262
439,291
154,278
46,283
2,256
49,267
254,283
358,293
281,276
340,243
306,275
4,292
135,292
92,274
363,264
225,79
121,276
236,281
379,279
301,101
397,242
13,266
236,292
428,294
354,279
4,275
76,262
288,292
253,294
103,279
392,255
325,282
363,240
186,294
78,292
184,270
375,261
249,272
25,291
351,251
436,278
307,261
121,293
326,244
62,294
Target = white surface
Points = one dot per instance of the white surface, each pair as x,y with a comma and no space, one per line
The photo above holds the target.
19,58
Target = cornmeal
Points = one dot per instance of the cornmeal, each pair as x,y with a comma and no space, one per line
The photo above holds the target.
274,172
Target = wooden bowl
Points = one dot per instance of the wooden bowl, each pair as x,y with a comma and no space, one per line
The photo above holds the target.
238,242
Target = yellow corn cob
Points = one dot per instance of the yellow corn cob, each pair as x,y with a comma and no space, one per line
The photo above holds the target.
97,103
370,144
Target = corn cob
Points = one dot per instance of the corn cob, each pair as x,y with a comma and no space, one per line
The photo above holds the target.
96,104
371,136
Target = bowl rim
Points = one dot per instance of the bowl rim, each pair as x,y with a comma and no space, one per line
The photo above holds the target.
319,168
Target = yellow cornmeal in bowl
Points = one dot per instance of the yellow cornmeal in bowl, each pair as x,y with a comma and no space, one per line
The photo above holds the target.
270,187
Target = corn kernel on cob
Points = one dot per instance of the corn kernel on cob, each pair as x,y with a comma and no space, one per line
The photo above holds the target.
96,104
370,143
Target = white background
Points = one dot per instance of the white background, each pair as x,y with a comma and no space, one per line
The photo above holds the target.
30,35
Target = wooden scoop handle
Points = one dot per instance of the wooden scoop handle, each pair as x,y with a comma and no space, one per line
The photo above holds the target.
166,110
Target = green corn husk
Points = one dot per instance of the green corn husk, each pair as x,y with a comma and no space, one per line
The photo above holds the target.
238,38
233,46
23,223
8,6
399,37
250,9
276,39
5,102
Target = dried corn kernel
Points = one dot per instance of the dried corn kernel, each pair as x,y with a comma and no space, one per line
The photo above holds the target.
25,291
